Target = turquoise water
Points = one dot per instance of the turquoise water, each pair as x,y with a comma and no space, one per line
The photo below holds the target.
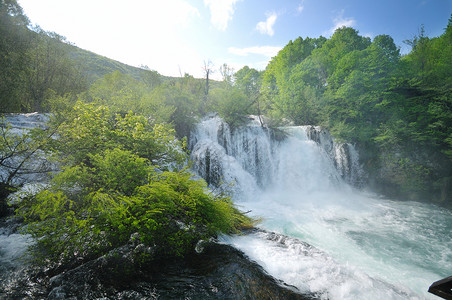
365,248
362,246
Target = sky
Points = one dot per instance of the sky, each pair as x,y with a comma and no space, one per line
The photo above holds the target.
174,37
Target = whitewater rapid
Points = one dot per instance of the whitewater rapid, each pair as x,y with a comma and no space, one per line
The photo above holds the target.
320,234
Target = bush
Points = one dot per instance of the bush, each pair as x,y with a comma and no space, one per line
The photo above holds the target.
232,105
88,129
112,193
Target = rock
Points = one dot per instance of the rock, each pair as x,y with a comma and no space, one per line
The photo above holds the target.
221,272
218,272
344,156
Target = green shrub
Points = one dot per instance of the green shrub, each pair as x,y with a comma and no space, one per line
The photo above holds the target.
232,105
90,210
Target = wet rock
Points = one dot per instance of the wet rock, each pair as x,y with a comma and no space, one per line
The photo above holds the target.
218,272
321,136
221,272
344,156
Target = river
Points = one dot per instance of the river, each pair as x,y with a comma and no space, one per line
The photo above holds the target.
319,233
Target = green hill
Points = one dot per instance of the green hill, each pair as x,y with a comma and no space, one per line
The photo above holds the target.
95,66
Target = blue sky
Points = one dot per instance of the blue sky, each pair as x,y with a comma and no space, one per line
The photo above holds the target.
177,36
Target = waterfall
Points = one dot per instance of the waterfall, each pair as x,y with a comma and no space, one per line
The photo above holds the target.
319,232
250,157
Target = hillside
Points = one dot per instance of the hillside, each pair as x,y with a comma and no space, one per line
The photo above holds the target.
95,66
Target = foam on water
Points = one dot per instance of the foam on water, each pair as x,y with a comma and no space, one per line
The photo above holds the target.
13,248
370,248
363,247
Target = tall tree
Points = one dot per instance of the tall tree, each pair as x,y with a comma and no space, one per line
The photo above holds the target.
208,70
227,73
249,81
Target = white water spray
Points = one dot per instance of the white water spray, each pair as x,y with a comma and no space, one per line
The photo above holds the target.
363,247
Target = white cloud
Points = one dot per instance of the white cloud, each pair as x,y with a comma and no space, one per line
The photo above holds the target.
221,12
266,27
300,7
268,51
339,21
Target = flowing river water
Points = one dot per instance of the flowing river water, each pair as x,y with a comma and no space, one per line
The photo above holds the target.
319,233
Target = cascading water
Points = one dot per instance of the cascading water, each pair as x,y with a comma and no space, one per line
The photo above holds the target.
319,233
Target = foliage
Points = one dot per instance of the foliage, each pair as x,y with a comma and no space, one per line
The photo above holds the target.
231,104
113,191
185,96
123,93
298,101
13,55
177,102
248,80
279,69
32,63
88,129
88,211
50,69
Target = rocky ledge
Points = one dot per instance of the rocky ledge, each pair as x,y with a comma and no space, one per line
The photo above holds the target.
218,272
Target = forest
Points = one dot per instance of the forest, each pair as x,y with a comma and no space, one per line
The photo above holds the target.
396,109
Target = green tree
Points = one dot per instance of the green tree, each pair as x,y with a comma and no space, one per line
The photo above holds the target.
292,54
426,91
123,93
183,105
343,41
249,81
358,89
415,138
232,105
276,76
299,102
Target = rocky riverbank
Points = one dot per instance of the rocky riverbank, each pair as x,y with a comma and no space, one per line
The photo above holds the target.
215,271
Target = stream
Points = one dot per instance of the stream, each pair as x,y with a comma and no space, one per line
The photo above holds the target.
320,233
